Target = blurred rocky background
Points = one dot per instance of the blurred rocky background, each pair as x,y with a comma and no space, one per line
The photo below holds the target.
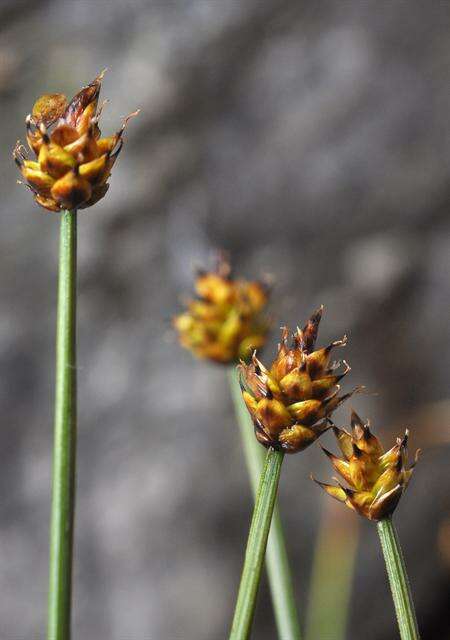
309,139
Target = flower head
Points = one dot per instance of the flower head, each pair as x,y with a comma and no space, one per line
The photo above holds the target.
225,321
73,163
377,479
290,402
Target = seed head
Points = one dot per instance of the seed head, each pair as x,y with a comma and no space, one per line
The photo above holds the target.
290,402
376,479
73,163
225,321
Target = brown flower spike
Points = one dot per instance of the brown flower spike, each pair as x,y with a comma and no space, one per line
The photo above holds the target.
377,479
73,163
291,402
225,322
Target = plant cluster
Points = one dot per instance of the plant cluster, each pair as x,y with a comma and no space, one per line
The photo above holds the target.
288,404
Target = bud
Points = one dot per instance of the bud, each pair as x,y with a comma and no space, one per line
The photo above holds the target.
225,322
376,479
290,403
73,163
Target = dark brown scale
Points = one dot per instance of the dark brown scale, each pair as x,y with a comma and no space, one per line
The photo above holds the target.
78,104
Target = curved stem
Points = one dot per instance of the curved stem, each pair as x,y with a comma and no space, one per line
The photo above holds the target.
256,546
63,492
398,579
277,561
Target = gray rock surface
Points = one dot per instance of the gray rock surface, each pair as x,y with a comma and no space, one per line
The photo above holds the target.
311,140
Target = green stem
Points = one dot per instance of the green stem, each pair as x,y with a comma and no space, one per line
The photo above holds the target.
332,573
256,546
277,562
398,579
63,492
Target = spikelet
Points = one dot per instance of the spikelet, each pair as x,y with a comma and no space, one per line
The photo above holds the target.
73,163
225,322
376,479
291,401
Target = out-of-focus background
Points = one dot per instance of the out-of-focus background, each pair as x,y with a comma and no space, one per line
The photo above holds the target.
309,139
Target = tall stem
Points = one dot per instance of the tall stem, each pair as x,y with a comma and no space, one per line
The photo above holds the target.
63,492
256,546
398,580
277,561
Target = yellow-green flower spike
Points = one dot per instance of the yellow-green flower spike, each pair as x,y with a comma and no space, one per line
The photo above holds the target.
376,479
290,402
73,163
226,321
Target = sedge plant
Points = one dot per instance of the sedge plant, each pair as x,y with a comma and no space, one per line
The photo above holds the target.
376,481
223,324
289,403
69,172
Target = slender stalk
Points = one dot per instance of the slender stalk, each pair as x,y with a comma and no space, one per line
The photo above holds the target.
277,562
63,493
332,573
256,546
398,580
